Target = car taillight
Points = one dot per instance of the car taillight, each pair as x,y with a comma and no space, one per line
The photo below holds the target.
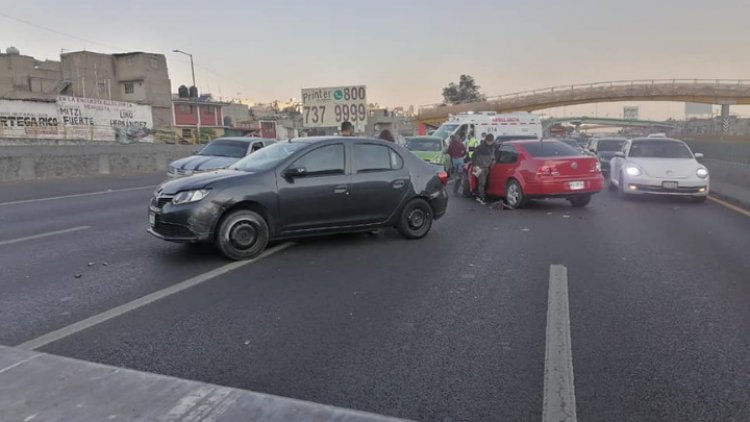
547,171
443,177
597,167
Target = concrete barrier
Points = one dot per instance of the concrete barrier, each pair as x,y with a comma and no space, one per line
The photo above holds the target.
729,179
44,162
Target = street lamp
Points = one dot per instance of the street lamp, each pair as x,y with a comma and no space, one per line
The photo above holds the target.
197,113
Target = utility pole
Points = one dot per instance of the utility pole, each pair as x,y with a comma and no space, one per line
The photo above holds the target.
197,112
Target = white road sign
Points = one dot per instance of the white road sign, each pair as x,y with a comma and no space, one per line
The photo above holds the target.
328,107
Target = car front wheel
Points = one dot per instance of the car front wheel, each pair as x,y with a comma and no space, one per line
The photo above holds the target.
580,201
416,219
514,196
242,234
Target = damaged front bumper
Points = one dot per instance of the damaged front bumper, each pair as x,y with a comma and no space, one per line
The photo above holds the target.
184,223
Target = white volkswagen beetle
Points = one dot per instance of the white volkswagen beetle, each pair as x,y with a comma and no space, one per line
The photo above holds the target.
660,166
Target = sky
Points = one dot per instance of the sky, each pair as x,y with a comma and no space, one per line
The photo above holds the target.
405,51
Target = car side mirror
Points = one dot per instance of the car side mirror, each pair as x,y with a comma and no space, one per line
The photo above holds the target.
698,155
293,172
620,154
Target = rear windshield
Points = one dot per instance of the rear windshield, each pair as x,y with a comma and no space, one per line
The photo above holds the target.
609,146
550,149
659,149
225,148
422,144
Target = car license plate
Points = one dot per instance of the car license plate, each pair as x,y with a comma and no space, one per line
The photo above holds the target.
151,219
669,185
576,185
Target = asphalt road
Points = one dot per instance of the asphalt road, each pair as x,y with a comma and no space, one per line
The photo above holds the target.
451,327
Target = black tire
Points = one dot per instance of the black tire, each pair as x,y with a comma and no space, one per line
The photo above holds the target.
698,199
242,234
465,190
416,219
514,196
580,201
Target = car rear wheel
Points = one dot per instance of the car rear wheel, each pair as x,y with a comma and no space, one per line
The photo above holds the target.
416,219
580,201
514,196
242,234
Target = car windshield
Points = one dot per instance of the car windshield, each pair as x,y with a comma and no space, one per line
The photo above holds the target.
225,148
445,130
422,144
659,149
550,149
267,157
609,146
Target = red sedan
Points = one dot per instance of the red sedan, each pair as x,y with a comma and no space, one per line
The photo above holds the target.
529,169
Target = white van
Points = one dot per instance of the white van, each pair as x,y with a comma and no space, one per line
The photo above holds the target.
508,124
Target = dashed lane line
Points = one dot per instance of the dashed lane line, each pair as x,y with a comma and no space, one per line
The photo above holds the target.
143,301
42,235
77,195
559,389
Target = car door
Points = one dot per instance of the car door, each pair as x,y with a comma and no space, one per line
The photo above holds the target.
379,182
319,198
506,164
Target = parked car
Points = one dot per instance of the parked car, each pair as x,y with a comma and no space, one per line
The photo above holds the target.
429,148
531,169
658,166
218,154
301,187
605,149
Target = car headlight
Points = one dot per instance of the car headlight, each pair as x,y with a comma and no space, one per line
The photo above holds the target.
702,173
187,196
437,160
170,169
632,171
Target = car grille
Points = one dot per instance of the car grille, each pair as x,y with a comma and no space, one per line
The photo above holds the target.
161,200
679,189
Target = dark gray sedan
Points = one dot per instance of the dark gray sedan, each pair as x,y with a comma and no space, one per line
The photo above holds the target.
301,187
218,154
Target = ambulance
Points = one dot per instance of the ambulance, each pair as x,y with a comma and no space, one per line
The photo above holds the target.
507,124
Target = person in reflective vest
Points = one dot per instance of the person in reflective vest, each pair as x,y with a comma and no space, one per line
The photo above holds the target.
471,144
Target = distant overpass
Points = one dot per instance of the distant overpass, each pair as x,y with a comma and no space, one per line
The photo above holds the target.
710,91
605,122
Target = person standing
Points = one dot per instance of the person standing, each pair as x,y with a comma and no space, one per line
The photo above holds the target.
457,152
347,129
472,143
483,159
386,135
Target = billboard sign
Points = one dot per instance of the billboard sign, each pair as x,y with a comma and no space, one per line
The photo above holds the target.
630,113
698,109
329,107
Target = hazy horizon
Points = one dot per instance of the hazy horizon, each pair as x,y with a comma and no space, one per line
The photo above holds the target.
404,51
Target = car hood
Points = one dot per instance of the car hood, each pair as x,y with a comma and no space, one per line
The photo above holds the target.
203,162
198,181
428,155
667,168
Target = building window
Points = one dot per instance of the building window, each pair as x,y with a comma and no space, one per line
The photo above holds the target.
209,110
129,88
185,108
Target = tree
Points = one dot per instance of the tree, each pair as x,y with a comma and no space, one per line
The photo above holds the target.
465,92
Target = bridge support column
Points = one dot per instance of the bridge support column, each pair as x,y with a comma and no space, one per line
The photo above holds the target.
725,119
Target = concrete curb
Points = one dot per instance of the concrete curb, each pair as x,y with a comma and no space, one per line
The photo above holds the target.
44,387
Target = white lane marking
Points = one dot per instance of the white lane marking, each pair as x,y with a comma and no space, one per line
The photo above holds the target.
20,362
142,301
559,389
77,195
41,235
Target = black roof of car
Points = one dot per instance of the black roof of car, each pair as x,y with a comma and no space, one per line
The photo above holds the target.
241,138
316,139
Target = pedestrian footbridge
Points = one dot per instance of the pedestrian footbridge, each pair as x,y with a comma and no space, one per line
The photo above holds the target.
711,91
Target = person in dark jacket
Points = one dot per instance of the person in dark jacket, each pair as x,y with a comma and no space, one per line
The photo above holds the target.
386,135
482,159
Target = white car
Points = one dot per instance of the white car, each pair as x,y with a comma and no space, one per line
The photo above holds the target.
658,166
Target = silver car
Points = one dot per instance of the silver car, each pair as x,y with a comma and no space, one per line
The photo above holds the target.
218,154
